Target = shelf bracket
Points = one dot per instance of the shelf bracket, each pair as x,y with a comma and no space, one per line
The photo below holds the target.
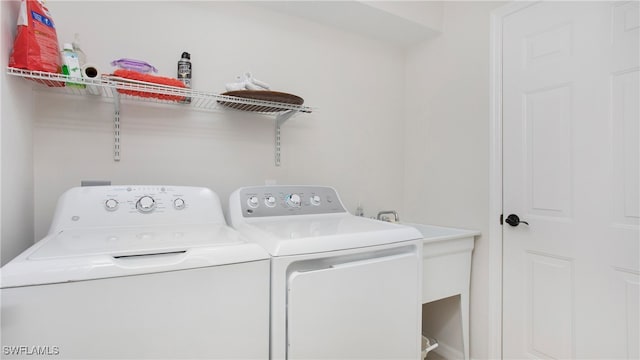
116,126
280,119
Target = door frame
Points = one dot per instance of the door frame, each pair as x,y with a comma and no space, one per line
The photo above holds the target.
495,174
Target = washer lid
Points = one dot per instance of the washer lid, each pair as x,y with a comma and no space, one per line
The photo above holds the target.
86,254
305,234
130,241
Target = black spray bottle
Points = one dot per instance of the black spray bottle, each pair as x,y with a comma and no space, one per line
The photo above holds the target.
184,73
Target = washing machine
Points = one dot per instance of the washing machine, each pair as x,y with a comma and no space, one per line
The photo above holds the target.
137,272
342,286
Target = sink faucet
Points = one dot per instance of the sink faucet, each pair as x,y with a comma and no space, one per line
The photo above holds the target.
381,215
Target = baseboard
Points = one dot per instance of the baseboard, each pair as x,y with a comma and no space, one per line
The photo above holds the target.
448,352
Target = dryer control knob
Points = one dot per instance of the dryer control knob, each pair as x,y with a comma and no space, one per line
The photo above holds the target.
294,200
315,200
253,202
146,204
111,205
270,201
179,204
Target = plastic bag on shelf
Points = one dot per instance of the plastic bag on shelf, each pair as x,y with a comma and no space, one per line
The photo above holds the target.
36,44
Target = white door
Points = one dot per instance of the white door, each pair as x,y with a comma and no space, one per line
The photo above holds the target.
570,169
367,309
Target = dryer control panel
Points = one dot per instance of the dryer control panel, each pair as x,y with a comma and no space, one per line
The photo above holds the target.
279,200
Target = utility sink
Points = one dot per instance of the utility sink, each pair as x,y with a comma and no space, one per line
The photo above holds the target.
432,233
446,268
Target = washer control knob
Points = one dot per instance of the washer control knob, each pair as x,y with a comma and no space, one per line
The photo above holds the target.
179,204
146,204
253,202
293,200
315,200
111,205
270,201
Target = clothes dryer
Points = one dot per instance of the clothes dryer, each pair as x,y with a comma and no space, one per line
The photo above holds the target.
342,286
137,272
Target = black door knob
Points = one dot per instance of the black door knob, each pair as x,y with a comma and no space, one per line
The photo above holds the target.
514,220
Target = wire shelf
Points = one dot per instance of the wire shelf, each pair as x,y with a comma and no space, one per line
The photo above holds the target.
108,85
117,88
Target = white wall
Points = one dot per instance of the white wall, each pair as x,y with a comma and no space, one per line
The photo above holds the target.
425,13
394,132
353,141
402,23
16,149
447,148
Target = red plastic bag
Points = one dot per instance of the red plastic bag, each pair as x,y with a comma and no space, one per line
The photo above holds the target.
134,75
36,44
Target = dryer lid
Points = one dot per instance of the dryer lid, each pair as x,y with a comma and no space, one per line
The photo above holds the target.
306,234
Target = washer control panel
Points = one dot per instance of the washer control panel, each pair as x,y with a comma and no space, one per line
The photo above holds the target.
278,200
136,205
144,199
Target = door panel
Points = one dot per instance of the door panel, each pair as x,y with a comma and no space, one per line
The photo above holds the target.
571,164
548,152
549,309
631,313
624,97
624,35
